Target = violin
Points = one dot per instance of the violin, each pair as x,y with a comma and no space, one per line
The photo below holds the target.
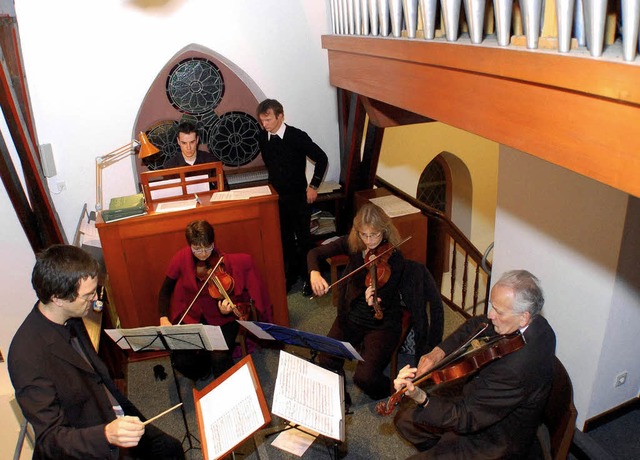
203,268
379,273
367,263
462,366
219,284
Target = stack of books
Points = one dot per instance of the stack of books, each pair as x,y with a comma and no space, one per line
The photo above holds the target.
123,207
322,222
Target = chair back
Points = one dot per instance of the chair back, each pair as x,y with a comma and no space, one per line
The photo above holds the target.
560,413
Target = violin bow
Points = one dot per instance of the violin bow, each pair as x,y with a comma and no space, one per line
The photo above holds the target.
366,264
199,291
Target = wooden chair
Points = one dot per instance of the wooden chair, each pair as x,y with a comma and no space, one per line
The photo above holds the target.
406,328
179,183
559,416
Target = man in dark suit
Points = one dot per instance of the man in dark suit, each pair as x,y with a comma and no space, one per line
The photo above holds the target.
285,150
499,408
62,386
188,141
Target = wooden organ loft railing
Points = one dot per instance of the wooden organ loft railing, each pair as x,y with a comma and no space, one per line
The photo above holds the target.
569,109
454,262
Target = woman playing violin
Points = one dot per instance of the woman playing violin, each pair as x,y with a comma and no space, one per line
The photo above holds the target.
357,322
187,271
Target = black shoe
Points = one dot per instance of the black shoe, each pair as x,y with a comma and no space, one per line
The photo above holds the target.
347,402
306,290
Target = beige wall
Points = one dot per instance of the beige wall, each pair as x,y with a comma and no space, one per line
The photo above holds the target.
406,150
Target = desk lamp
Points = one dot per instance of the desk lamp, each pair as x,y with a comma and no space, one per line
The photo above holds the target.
146,150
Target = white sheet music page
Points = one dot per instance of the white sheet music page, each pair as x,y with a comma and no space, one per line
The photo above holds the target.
241,193
194,336
394,206
310,396
230,413
137,339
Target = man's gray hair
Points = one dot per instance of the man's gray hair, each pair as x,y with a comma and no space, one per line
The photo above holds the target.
526,287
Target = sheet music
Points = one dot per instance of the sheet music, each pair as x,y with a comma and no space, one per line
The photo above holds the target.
90,233
177,191
230,412
171,206
394,206
328,187
310,396
182,337
241,193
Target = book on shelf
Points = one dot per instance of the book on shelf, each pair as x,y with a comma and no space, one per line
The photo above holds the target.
124,206
322,222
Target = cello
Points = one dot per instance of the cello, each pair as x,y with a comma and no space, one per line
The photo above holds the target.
461,363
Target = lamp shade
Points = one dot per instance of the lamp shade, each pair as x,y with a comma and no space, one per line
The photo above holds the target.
146,148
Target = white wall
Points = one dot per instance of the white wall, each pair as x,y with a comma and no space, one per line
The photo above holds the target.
90,64
567,230
18,298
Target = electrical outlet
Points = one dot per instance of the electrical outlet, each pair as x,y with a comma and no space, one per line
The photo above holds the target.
621,379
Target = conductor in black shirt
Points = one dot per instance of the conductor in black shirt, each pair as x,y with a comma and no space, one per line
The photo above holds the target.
285,150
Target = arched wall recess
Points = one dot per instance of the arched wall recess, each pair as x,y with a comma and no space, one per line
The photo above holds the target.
200,85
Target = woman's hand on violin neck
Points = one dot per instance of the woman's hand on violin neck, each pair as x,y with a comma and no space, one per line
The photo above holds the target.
225,307
318,284
368,295
164,321
429,361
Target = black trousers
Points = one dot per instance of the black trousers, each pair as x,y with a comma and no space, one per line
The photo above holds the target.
199,364
295,219
376,347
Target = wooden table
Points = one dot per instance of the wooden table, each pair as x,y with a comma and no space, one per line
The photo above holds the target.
137,252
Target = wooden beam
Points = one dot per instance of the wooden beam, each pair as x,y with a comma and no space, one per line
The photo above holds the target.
581,114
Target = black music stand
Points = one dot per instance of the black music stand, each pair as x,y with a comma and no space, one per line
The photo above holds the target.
158,338
316,344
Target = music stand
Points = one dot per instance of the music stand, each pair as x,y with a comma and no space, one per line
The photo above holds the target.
171,338
314,342
289,370
230,409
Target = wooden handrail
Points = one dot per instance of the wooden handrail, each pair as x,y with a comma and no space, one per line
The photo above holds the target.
445,245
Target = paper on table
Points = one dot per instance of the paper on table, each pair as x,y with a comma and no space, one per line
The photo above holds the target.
294,441
328,187
90,233
394,206
171,206
241,193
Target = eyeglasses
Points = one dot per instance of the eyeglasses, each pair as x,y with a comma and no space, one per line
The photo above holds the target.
88,297
201,250
370,236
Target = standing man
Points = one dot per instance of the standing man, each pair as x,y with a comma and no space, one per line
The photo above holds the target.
285,150
188,141
62,386
498,410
